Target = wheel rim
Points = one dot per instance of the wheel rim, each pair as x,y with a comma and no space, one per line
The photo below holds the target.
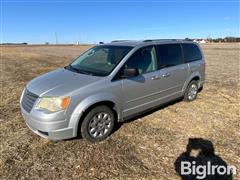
100,125
192,91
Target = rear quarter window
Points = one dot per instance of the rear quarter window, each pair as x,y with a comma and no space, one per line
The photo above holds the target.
191,52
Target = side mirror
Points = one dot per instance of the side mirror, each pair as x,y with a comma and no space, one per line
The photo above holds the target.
131,72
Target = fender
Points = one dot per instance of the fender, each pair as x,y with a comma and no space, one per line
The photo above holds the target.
189,79
89,101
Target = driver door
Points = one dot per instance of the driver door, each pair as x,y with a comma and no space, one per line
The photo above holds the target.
139,92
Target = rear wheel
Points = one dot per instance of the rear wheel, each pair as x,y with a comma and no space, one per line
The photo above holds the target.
98,123
191,91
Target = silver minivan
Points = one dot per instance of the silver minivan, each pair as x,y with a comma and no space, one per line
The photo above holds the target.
110,83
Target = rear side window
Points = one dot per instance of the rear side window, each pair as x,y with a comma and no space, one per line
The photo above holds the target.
191,52
169,55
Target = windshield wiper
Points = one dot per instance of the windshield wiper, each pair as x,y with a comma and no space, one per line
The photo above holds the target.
84,72
167,65
77,70
70,67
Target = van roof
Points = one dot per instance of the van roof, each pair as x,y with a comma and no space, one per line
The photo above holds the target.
134,43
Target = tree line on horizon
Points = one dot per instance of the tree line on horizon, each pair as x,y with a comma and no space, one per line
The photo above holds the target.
218,40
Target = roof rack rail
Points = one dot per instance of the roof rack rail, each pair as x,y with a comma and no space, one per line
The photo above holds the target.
150,40
147,40
119,40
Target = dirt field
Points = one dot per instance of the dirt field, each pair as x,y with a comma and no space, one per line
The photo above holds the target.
144,148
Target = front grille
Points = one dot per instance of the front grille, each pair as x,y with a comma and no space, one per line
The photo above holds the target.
28,100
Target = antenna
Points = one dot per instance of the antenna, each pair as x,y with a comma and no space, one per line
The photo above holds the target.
79,40
56,38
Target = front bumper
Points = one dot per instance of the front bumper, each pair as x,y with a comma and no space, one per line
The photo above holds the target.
46,126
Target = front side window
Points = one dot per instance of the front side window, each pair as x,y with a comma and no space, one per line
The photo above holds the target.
143,59
169,55
100,60
191,52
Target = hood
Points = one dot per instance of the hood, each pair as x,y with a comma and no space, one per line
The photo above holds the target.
60,82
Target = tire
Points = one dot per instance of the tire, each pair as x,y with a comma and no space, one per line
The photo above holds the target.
191,91
98,124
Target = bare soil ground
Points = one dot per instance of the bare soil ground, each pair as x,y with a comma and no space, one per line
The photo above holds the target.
143,148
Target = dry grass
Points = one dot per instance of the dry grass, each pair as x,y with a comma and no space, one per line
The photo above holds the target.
144,148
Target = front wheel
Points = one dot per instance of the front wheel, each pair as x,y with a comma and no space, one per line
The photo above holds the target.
191,91
98,124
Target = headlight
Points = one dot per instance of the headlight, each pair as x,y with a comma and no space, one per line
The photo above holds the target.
53,104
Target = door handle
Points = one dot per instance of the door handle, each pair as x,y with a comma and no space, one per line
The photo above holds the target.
166,75
155,77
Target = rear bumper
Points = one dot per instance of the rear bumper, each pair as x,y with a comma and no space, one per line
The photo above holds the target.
52,130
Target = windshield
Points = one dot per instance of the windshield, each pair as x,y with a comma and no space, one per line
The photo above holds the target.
99,60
